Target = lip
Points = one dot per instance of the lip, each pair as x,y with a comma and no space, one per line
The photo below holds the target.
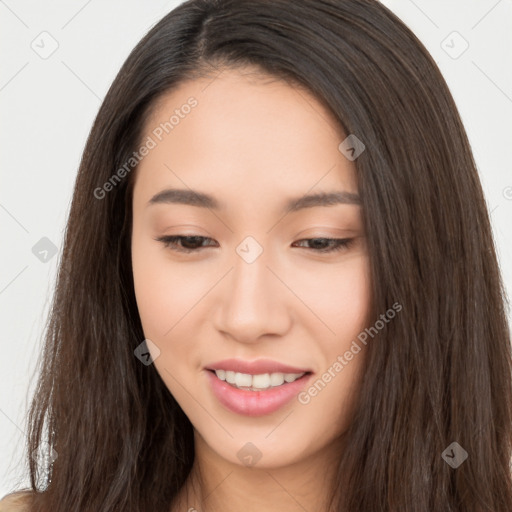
255,367
255,403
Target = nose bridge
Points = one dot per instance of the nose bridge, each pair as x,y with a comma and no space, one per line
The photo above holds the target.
250,275
252,302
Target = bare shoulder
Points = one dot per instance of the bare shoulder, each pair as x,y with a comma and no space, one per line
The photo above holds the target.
16,502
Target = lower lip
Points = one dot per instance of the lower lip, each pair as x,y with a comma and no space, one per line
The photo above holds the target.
255,403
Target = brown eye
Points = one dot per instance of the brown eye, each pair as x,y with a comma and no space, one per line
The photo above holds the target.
183,243
327,244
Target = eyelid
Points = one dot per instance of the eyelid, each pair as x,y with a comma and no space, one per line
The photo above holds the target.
183,228
330,232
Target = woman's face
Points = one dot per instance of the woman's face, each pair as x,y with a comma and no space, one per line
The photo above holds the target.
257,293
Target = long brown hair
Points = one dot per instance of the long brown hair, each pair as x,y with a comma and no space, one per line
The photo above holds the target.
440,373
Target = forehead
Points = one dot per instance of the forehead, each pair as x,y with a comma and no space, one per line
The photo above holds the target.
246,134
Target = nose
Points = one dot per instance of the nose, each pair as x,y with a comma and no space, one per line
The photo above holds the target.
252,302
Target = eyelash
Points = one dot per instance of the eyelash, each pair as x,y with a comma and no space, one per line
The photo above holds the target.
337,244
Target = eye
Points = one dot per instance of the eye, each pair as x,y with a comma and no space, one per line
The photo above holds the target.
187,243
328,244
192,243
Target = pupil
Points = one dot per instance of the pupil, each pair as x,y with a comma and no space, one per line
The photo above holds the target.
190,240
318,242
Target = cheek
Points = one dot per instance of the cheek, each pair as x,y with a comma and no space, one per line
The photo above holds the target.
152,292
340,297
164,291
171,298
163,296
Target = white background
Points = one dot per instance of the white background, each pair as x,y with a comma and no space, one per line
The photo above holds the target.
48,106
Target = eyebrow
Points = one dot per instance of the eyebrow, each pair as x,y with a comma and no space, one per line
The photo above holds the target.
203,200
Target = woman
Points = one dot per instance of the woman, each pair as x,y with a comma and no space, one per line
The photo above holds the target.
279,288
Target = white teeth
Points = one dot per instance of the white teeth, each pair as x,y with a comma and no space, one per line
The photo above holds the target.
260,381
243,380
256,382
276,379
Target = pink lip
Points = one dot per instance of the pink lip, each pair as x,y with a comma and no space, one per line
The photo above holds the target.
255,403
257,367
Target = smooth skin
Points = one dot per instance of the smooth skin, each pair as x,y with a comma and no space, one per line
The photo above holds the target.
252,142
16,502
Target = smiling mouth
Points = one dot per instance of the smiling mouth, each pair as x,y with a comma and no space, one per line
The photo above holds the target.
259,382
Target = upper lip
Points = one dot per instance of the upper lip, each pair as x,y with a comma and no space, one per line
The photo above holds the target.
257,367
